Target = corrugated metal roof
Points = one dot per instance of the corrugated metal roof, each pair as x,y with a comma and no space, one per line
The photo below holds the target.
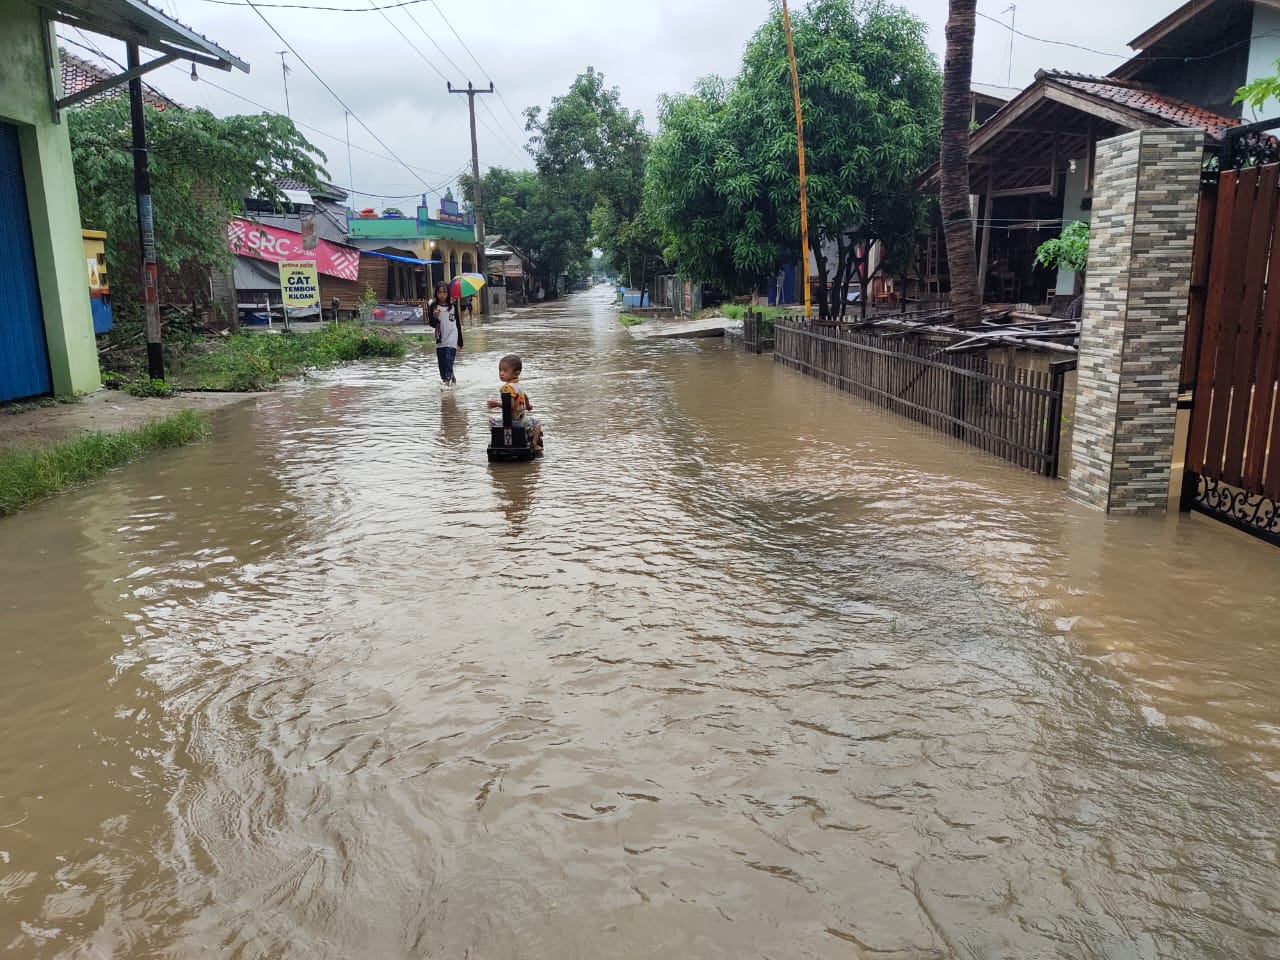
141,23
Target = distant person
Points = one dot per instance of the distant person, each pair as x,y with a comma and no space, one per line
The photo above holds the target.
443,318
509,369
467,308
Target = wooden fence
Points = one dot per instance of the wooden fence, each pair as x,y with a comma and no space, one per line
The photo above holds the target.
757,335
1011,412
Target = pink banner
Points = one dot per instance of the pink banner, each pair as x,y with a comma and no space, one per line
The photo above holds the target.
249,239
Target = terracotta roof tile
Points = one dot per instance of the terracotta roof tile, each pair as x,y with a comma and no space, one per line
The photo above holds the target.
77,74
1136,96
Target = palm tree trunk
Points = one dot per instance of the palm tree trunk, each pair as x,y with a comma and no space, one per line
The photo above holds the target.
957,225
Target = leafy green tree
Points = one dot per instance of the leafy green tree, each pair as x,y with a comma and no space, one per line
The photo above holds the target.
590,153
1069,250
704,199
202,167
723,183
1257,92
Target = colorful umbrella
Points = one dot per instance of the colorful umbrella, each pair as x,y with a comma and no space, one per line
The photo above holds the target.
465,285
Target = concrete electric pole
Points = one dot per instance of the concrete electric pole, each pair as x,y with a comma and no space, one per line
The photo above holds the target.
482,265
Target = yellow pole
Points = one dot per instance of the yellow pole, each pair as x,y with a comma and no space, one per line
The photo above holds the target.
804,192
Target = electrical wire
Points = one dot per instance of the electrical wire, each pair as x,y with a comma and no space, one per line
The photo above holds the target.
428,61
265,109
476,60
453,63
324,133
514,147
1134,56
332,92
305,6
483,72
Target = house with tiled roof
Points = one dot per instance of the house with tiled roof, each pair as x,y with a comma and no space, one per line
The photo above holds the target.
1032,162
47,341
79,74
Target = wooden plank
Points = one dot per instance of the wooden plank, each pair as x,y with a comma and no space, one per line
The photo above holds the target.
1199,287
1271,476
1237,253
1255,278
1264,375
1224,212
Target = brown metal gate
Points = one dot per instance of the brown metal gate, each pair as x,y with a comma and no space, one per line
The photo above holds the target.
1232,356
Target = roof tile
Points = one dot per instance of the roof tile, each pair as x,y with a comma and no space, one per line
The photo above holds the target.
1136,96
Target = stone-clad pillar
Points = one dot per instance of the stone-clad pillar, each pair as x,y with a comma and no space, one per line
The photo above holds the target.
1146,193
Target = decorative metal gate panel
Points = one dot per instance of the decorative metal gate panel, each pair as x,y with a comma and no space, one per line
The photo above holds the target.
1233,450
24,355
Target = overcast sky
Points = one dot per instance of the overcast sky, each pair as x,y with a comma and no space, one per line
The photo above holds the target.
531,50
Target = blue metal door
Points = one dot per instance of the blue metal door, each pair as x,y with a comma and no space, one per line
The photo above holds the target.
24,355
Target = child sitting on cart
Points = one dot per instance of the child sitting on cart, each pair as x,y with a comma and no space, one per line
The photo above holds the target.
509,369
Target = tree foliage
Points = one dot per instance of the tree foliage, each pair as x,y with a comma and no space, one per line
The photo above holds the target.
586,189
1257,92
723,180
202,167
1068,251
590,151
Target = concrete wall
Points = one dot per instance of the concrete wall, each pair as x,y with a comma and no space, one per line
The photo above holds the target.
1146,194
1264,51
1073,192
51,198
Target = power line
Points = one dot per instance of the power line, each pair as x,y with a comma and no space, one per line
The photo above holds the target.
514,147
332,92
427,60
305,6
405,38
443,53
262,107
1059,43
474,58
323,133
265,109
1136,56
497,139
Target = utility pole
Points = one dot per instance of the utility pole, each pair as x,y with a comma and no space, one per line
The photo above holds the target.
804,190
482,264
146,224
284,70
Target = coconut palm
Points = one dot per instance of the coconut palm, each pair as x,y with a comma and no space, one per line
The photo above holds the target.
957,226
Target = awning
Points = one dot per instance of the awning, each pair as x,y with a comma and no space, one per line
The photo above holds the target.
392,256
135,21
299,198
256,275
497,254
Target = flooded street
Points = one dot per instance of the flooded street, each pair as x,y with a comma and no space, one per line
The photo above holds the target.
744,668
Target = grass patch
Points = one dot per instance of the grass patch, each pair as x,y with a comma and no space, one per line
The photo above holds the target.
630,320
28,474
251,361
149,388
736,311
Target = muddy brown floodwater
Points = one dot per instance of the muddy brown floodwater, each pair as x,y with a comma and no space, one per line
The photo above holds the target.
745,668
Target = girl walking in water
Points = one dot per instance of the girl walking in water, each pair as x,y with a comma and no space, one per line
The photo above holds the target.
442,316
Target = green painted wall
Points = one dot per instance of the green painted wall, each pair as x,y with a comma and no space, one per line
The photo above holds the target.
51,198
394,228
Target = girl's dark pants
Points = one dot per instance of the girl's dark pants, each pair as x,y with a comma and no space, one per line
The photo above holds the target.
445,357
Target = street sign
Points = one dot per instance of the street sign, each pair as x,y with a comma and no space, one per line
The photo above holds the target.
299,286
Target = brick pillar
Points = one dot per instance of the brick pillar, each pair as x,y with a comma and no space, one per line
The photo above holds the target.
1146,192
